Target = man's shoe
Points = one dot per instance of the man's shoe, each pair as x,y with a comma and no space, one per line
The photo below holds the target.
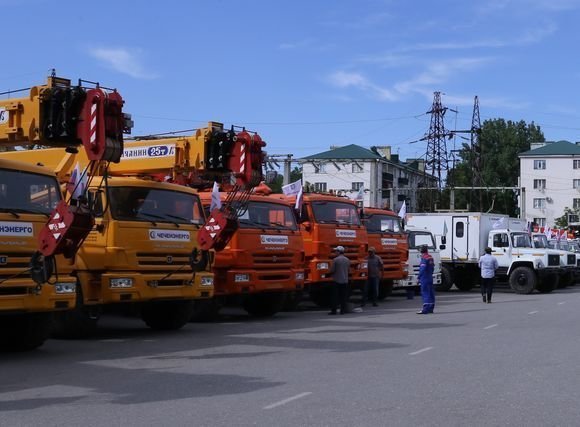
484,299
375,304
363,304
332,313
422,312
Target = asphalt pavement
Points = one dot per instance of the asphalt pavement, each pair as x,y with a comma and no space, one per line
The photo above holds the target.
512,362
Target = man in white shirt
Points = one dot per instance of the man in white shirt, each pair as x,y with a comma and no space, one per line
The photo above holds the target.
488,265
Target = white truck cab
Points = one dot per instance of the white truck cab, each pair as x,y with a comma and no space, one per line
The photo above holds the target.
568,259
418,237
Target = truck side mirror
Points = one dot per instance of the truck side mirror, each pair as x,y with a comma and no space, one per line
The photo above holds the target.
307,226
442,246
443,240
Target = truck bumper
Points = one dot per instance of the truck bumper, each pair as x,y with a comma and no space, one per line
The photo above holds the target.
235,282
21,296
412,281
152,287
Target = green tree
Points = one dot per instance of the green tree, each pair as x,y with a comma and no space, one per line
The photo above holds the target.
276,185
501,142
562,222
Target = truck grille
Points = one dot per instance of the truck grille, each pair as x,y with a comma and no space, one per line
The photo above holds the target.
15,264
391,260
272,260
168,261
571,259
553,260
350,251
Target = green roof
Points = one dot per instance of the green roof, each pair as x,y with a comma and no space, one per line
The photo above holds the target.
352,152
560,148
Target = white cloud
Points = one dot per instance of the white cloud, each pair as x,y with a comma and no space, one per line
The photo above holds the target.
123,61
433,74
344,79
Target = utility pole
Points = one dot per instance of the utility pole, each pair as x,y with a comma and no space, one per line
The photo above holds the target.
273,161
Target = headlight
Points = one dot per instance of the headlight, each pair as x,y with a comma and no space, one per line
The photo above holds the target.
364,265
540,264
299,276
406,268
207,281
242,278
121,282
322,266
65,288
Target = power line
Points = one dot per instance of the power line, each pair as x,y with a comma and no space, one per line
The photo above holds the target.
304,123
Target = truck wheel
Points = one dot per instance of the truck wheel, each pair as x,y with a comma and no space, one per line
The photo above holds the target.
264,305
565,281
80,322
548,284
321,297
385,289
206,310
292,301
446,280
167,315
26,331
523,280
463,280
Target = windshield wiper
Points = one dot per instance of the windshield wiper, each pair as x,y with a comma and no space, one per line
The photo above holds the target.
15,212
10,211
151,216
180,218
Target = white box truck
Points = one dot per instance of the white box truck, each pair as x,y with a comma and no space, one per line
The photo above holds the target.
465,236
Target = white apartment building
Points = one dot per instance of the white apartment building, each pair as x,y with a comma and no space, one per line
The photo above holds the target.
386,181
550,174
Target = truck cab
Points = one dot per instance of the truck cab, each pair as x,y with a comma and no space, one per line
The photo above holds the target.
386,234
28,193
569,261
418,237
263,264
518,257
327,221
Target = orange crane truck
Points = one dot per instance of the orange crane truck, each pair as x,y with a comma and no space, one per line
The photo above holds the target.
263,263
327,221
40,232
386,235
258,257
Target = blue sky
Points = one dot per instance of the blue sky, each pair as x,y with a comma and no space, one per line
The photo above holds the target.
310,74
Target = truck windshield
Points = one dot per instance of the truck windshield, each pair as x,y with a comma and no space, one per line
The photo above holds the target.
420,238
521,240
269,215
540,241
335,213
383,224
154,205
25,192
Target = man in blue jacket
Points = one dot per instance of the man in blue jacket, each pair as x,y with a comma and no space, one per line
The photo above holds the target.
426,267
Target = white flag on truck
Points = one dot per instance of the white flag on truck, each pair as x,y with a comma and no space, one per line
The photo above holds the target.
77,183
403,210
216,202
359,195
292,188
299,198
